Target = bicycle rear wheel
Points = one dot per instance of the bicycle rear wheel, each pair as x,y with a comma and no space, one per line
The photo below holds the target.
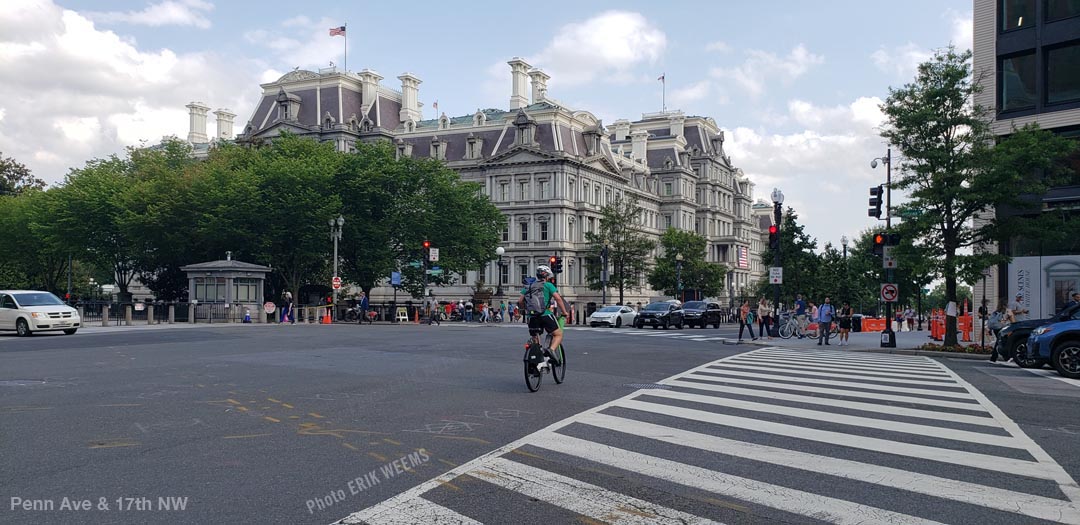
786,330
532,375
559,372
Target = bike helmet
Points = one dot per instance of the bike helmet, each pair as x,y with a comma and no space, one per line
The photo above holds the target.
543,272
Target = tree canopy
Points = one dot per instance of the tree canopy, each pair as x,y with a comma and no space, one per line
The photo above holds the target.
696,273
629,247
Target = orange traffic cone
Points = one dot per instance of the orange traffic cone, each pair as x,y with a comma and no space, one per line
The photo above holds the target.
416,319
326,317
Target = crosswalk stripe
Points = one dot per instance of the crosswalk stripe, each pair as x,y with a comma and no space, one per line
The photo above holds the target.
956,457
578,496
838,403
1038,507
841,357
815,373
814,363
838,392
790,500
844,419
866,386
419,510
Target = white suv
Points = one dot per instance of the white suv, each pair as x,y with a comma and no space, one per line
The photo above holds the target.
29,311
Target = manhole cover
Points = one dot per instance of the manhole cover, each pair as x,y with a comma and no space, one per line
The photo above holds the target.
21,382
648,386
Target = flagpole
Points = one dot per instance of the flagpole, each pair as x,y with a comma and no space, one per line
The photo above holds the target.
346,35
663,91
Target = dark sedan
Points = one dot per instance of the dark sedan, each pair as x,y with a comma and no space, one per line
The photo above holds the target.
659,315
1012,339
701,314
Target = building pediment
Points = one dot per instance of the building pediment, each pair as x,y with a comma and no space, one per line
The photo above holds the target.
521,155
602,163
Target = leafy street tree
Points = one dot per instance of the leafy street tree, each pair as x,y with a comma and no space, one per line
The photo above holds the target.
15,178
798,259
697,273
30,256
628,246
952,170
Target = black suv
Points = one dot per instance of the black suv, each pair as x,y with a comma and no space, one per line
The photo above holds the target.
660,314
701,313
1012,339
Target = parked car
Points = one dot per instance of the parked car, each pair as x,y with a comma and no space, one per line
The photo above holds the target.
663,314
1059,344
701,313
29,311
615,316
1013,338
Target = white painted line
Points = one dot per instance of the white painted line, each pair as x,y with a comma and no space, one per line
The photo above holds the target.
943,455
842,419
822,508
577,496
866,386
1065,482
991,497
418,510
1052,374
838,403
404,498
854,357
866,369
855,377
838,392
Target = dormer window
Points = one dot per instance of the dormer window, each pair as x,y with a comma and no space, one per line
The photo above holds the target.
410,126
438,149
479,118
473,147
328,120
353,123
444,122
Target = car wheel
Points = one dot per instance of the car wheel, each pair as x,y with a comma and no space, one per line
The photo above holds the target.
592,325
666,327
678,326
618,322
655,326
1023,360
1066,359
639,326
23,328
71,331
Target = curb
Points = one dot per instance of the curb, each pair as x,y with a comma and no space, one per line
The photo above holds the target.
896,351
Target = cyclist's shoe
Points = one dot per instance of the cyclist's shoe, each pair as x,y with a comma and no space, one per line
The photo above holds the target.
551,357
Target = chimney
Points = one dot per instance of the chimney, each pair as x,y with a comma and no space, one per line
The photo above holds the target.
677,124
410,106
639,139
622,129
197,123
224,124
369,89
228,256
519,73
539,85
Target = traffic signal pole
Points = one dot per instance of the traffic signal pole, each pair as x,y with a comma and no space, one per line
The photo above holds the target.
888,337
775,328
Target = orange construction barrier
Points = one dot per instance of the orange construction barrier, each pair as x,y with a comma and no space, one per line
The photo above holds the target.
963,325
873,324
326,317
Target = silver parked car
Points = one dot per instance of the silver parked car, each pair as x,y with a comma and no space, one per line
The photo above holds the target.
29,311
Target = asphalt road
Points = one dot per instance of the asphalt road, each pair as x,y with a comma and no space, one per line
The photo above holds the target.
411,424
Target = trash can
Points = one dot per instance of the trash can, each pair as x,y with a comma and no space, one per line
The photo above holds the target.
856,323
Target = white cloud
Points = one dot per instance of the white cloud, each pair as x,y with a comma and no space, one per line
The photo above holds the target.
963,29
822,166
718,46
901,61
170,12
608,46
81,92
301,42
698,91
760,67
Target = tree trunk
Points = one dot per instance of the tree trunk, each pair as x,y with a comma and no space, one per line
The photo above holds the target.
950,296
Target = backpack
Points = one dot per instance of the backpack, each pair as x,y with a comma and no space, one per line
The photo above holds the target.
995,321
534,298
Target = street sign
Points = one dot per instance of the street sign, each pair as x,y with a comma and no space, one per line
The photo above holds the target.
395,278
433,254
415,264
910,213
603,276
337,282
887,260
889,292
269,307
776,275
435,271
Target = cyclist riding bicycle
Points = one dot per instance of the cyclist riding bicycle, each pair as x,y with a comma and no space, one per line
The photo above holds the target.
534,301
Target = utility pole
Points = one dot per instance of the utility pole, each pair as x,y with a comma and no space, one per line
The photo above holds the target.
603,275
335,234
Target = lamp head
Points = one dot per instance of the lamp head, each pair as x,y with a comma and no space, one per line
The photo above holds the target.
777,196
340,220
330,221
679,257
500,251
873,163
843,240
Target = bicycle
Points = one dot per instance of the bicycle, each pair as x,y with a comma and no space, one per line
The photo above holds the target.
536,365
789,326
834,332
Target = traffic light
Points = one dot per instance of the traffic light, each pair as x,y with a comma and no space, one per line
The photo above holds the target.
875,201
894,239
879,243
556,266
427,244
551,261
774,237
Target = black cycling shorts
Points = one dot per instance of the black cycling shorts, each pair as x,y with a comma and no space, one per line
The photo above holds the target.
541,323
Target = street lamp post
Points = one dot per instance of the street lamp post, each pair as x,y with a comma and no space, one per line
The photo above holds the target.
844,243
335,234
984,309
678,276
498,278
778,202
888,339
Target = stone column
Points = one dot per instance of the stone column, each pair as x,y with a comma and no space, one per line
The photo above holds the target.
104,315
149,314
172,313
191,313
127,315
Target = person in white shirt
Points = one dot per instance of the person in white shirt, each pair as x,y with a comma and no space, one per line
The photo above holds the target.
1017,307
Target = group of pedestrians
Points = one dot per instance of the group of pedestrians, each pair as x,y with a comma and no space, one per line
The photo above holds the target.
465,311
765,316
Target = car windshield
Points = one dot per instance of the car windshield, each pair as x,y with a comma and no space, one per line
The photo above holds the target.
694,305
657,307
610,309
37,299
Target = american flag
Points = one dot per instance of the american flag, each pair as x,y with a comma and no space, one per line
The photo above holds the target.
744,257
337,31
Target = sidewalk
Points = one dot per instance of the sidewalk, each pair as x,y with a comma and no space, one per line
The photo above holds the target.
907,343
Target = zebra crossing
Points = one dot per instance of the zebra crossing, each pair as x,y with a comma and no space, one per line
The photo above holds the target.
768,435
707,334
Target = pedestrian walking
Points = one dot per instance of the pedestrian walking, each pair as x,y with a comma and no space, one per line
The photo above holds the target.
745,320
287,314
433,310
765,314
844,323
364,305
502,311
1017,308
998,320
800,314
825,315
468,310
909,316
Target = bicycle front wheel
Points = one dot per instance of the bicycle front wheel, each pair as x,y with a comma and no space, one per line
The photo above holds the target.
786,330
559,372
532,377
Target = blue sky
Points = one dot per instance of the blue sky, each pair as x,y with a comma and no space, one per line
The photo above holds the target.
795,84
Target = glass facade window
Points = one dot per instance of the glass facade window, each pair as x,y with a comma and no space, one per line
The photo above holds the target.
524,230
210,289
544,188
245,290
1016,14
1061,9
1017,82
1063,74
543,230
504,191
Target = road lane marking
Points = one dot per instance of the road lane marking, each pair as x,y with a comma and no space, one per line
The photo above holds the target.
829,382
842,356
1052,374
578,496
349,446
811,362
834,375
272,419
789,364
122,405
314,415
419,510
245,436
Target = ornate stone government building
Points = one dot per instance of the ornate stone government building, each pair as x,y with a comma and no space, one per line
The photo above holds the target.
549,168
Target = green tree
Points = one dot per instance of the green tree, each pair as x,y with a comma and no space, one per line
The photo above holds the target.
628,246
952,171
938,298
15,177
797,257
30,256
697,273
